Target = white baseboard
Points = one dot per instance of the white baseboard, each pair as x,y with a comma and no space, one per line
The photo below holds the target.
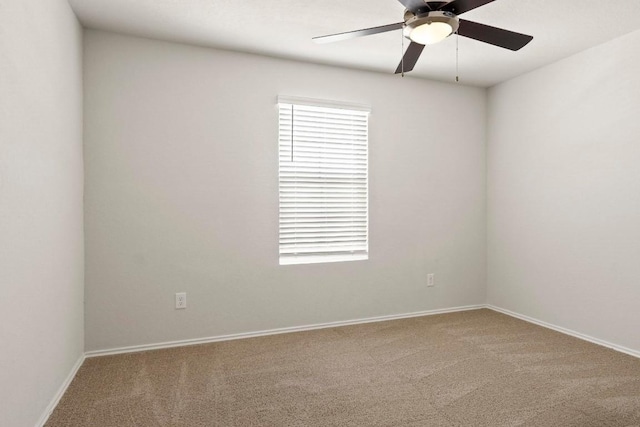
566,331
180,343
61,391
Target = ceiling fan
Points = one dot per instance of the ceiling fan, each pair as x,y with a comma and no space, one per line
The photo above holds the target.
429,22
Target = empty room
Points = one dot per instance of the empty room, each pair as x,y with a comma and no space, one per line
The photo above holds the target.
331,213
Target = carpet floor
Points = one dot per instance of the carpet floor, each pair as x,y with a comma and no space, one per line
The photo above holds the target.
473,368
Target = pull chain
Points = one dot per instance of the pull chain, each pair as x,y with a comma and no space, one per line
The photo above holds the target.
457,55
402,51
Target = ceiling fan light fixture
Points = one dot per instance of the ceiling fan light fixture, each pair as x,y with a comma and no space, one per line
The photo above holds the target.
431,27
431,33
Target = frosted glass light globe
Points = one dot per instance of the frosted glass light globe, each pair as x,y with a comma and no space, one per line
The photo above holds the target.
431,33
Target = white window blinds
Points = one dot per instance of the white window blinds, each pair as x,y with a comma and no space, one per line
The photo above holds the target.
323,158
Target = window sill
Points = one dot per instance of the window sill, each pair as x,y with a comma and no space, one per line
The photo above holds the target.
292,260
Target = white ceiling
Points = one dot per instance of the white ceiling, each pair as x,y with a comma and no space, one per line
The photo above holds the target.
284,28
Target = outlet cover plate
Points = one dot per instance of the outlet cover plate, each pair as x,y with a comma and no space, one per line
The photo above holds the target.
431,280
181,300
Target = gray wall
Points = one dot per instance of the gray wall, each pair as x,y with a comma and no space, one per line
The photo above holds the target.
564,193
182,194
41,233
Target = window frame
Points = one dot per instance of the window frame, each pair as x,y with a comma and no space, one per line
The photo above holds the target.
358,111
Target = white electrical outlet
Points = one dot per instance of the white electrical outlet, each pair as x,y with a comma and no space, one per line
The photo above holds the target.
181,300
431,280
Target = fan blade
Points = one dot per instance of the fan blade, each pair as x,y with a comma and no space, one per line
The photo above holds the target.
459,7
413,5
358,33
410,58
492,35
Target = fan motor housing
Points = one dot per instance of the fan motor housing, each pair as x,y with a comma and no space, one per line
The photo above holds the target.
412,20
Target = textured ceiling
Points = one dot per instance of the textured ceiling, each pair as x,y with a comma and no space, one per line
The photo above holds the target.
284,28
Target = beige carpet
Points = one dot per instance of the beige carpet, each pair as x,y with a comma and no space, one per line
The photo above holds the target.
475,368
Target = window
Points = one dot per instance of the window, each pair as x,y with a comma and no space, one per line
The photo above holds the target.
323,159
